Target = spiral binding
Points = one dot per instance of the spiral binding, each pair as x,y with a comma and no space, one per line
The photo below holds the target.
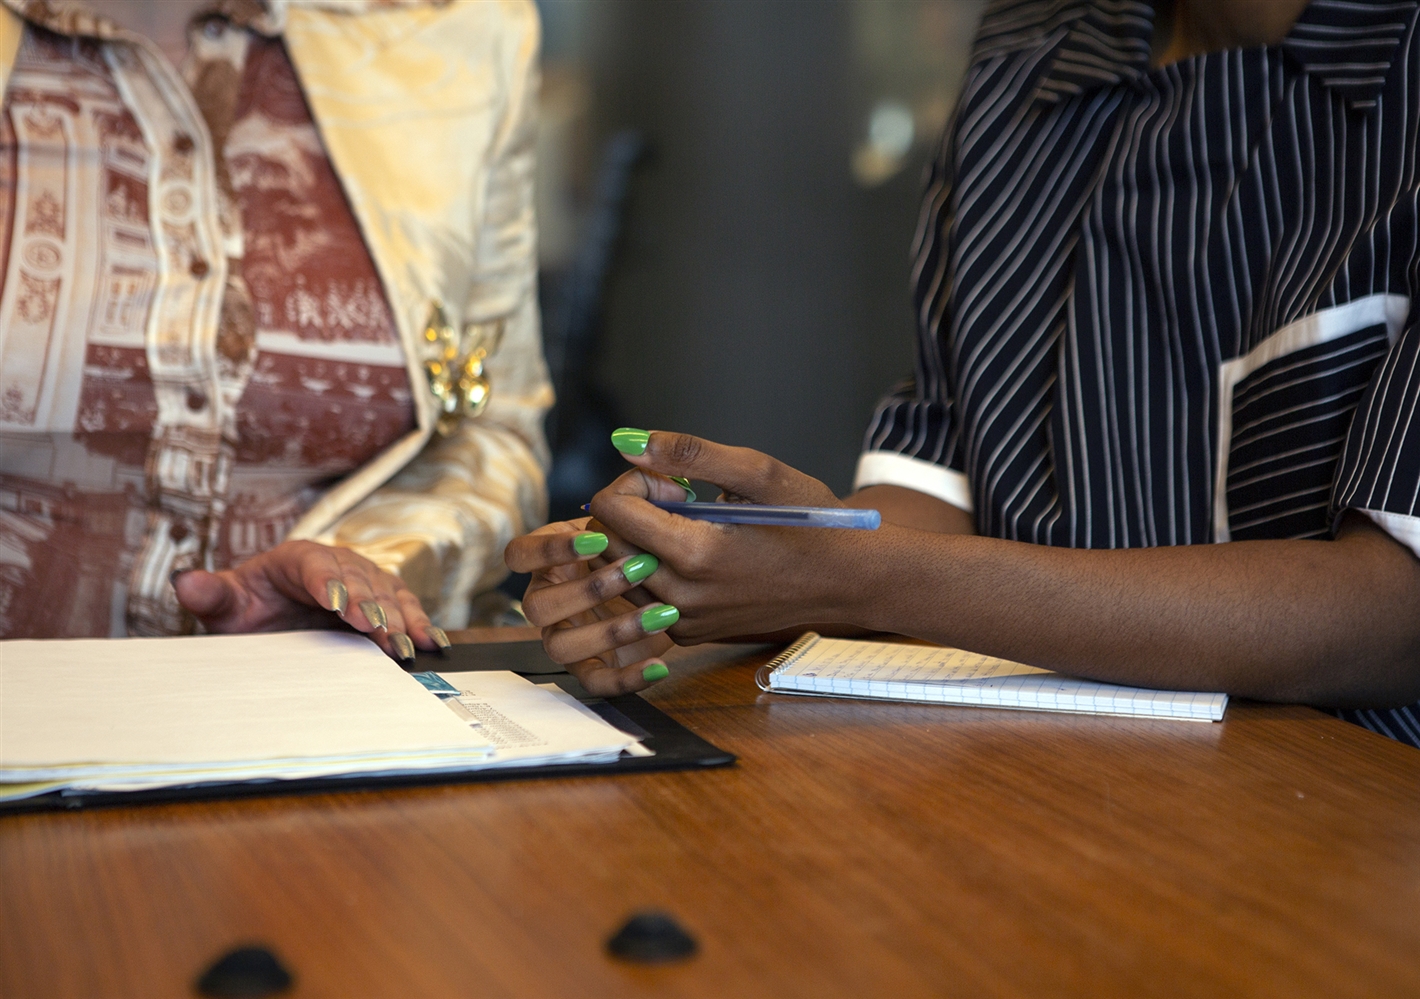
761,675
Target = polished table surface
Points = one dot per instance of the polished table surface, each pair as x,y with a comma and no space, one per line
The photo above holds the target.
856,849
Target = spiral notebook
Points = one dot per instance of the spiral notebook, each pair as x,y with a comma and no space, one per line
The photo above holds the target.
837,667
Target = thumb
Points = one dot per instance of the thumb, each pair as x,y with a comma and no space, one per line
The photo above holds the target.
741,471
206,595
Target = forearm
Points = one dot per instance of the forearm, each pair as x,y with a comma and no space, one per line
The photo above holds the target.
910,508
1324,622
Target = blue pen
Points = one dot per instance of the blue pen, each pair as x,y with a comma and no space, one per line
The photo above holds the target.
773,516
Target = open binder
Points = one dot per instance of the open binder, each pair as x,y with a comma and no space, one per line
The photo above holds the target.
662,743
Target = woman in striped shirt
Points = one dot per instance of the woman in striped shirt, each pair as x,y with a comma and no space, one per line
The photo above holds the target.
1166,281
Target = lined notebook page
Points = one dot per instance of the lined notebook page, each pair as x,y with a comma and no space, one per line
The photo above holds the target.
889,671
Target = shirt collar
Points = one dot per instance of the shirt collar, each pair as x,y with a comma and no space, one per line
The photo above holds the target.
1101,44
1347,45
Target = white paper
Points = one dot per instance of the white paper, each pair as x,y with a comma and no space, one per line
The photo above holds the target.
635,749
276,703
531,726
846,659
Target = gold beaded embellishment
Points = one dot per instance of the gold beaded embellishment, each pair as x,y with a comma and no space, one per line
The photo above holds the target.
455,365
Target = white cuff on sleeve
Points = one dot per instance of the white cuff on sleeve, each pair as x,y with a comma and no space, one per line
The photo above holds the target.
1402,528
888,468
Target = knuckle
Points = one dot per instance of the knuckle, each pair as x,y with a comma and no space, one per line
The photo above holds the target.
584,671
627,630
692,562
534,611
602,585
592,675
555,645
628,680
683,449
512,555
596,681
554,549
343,554
764,469
309,555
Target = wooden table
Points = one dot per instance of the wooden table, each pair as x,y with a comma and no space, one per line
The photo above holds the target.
857,849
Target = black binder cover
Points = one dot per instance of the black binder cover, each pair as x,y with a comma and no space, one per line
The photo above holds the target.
675,746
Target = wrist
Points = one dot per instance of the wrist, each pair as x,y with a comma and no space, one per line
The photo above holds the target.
864,578
903,580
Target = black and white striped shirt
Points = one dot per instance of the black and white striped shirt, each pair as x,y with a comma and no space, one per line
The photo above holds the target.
1171,306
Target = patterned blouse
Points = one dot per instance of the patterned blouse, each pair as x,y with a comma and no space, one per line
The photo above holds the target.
102,492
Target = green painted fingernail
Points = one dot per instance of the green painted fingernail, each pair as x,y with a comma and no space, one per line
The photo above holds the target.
654,672
684,484
638,567
589,543
629,440
659,618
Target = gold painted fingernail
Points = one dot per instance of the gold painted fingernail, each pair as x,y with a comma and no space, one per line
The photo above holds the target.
403,647
374,613
437,636
337,596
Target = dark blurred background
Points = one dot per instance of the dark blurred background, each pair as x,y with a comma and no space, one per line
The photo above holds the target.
727,194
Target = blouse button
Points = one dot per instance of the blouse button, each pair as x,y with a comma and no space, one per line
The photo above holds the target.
183,143
178,532
196,400
198,268
214,28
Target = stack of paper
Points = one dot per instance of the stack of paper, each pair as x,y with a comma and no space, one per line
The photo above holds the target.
132,714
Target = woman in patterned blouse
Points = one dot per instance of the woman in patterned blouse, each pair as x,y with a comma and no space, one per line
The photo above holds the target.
240,245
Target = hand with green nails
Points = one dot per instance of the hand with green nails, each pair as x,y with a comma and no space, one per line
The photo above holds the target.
611,641
606,616
726,581
662,574
302,584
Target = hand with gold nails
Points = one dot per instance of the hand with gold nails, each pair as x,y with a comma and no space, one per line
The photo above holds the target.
301,584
